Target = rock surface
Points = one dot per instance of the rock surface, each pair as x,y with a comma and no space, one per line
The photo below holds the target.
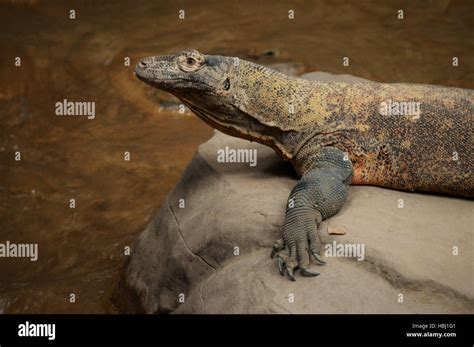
210,251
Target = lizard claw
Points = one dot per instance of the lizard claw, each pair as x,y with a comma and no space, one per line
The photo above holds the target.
289,272
281,265
285,265
318,258
308,273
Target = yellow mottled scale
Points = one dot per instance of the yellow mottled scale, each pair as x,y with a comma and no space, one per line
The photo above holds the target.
429,152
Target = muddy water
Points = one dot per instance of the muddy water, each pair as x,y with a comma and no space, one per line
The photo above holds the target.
63,158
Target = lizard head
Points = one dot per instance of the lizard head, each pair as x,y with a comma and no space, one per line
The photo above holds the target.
186,73
203,82
229,94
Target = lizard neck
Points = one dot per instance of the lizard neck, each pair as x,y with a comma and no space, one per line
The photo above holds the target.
266,106
283,112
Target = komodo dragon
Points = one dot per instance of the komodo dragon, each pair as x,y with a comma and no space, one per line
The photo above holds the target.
334,134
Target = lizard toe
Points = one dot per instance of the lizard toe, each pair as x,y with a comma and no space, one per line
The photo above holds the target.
313,241
286,264
277,247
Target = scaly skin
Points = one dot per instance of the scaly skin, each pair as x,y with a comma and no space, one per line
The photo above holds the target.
307,122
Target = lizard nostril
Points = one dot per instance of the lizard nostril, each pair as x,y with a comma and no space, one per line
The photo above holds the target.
142,63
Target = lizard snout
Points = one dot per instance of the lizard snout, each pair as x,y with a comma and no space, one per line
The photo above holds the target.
142,68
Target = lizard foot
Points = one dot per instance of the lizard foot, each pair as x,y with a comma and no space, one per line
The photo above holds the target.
289,260
318,195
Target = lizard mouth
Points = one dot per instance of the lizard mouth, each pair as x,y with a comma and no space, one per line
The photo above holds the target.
170,84
165,84
150,76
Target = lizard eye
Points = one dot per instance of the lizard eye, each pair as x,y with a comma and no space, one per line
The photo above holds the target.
189,63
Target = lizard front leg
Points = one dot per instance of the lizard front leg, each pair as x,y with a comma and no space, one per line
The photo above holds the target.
318,195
